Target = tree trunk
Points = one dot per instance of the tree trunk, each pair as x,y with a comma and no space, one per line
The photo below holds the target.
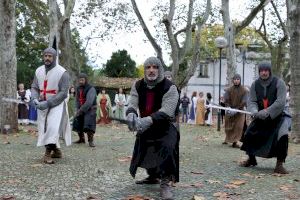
231,30
8,64
61,31
294,16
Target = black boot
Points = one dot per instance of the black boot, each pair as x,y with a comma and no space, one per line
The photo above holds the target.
47,157
81,138
279,169
165,189
91,139
251,161
56,153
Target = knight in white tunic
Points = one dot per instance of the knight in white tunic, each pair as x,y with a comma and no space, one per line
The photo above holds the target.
49,92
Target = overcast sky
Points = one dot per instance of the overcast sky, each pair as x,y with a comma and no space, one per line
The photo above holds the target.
134,43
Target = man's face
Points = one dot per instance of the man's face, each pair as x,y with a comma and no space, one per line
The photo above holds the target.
48,59
264,74
81,81
236,81
151,72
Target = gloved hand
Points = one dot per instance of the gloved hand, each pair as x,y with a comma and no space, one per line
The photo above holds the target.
230,113
131,118
43,105
143,124
262,114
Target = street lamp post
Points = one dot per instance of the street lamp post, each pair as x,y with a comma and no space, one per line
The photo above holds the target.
220,43
247,58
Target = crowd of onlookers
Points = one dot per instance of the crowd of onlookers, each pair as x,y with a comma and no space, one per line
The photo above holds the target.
193,109
27,113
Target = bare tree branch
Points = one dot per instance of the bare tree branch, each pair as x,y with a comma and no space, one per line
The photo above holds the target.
156,47
251,15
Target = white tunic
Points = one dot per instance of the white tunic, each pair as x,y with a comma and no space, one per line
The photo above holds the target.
56,118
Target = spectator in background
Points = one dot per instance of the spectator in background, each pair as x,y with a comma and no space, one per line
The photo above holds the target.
185,101
24,96
193,108
103,108
208,112
200,109
120,100
71,102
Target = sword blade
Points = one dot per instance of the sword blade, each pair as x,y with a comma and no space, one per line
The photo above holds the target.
123,121
230,109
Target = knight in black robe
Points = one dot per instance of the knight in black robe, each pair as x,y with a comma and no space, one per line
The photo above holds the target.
267,134
152,113
86,105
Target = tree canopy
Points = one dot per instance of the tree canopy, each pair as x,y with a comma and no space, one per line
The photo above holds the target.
121,65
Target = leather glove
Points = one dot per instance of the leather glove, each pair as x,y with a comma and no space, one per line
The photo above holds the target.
43,105
262,114
142,124
131,118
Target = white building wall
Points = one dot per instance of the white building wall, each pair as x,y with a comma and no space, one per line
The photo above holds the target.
211,83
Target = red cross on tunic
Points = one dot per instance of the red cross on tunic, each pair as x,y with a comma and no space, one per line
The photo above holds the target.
45,91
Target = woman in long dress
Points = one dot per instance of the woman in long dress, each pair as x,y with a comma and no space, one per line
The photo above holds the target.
193,108
120,101
103,108
200,109
208,113
23,107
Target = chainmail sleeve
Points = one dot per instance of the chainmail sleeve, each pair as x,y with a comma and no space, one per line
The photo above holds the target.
133,101
277,107
35,88
170,101
252,101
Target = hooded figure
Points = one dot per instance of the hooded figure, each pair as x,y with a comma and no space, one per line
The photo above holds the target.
157,141
49,91
86,106
267,134
235,97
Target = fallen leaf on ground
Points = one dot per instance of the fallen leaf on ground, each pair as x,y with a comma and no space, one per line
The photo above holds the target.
221,194
196,197
137,197
231,186
195,172
248,175
125,159
286,187
93,197
7,197
238,182
197,185
213,181
36,165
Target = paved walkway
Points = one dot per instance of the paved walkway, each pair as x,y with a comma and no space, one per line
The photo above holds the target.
209,170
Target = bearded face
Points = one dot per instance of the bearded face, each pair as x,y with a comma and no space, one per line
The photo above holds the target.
48,59
151,72
264,74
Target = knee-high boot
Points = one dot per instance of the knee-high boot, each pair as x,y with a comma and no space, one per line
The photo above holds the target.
91,139
47,157
81,138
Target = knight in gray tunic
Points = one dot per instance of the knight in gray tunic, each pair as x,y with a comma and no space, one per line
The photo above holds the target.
267,134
